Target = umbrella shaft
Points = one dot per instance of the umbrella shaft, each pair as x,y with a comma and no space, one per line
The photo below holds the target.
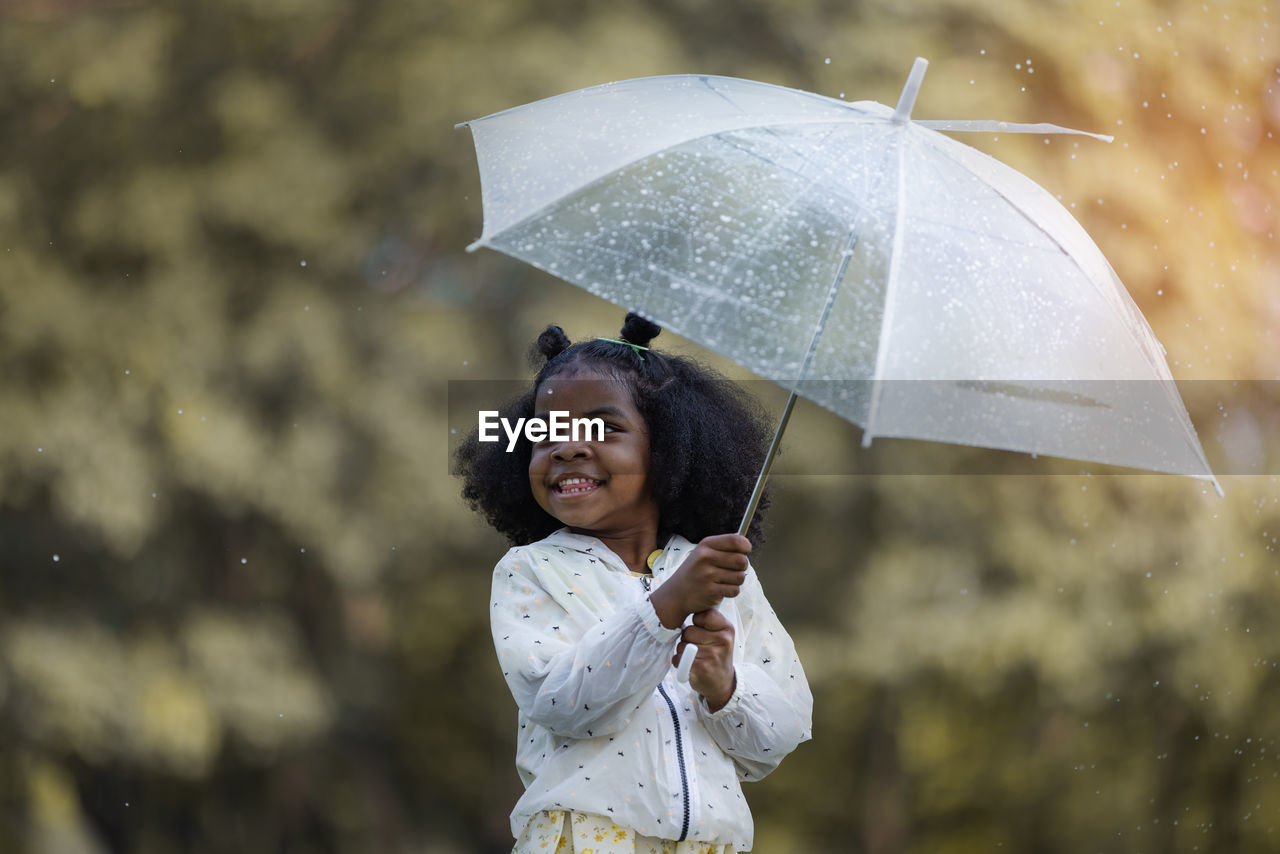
768,464
850,242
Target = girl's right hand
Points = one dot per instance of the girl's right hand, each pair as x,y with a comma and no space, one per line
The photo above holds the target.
715,570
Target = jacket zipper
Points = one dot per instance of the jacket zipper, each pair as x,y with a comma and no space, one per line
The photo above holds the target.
647,581
684,774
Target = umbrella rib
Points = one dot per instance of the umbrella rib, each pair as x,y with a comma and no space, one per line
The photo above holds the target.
985,235
890,288
797,196
705,80
824,100
703,290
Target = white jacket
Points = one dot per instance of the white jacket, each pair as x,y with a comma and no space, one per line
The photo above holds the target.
605,728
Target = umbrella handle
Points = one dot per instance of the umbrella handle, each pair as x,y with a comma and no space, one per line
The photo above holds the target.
686,663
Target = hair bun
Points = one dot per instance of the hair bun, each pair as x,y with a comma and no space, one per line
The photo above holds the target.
639,330
552,342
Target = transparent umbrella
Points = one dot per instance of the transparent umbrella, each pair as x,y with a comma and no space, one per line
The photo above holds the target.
861,259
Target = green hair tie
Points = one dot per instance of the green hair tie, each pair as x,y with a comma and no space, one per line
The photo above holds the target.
636,348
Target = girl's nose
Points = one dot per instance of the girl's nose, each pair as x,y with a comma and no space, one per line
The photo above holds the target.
571,451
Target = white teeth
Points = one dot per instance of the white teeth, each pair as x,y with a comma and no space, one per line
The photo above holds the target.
574,481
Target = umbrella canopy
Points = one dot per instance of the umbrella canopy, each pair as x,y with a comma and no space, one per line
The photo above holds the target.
903,280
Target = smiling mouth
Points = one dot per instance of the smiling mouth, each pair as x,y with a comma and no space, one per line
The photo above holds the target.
576,486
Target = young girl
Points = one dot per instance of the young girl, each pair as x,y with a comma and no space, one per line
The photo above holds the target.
618,540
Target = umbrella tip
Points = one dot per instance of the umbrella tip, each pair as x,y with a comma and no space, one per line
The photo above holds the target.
912,88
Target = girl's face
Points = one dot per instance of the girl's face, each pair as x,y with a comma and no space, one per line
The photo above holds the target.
595,487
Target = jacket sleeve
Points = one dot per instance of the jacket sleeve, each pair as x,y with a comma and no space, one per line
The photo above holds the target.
576,683
771,710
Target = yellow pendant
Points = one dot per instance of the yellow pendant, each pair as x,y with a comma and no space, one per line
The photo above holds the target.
653,558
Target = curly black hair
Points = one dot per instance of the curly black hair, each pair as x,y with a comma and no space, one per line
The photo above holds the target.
707,440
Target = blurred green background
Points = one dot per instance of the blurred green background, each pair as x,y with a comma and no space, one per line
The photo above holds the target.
242,607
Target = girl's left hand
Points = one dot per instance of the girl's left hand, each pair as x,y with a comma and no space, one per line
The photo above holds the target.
712,675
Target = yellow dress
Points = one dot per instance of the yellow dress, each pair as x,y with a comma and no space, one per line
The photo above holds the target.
567,832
